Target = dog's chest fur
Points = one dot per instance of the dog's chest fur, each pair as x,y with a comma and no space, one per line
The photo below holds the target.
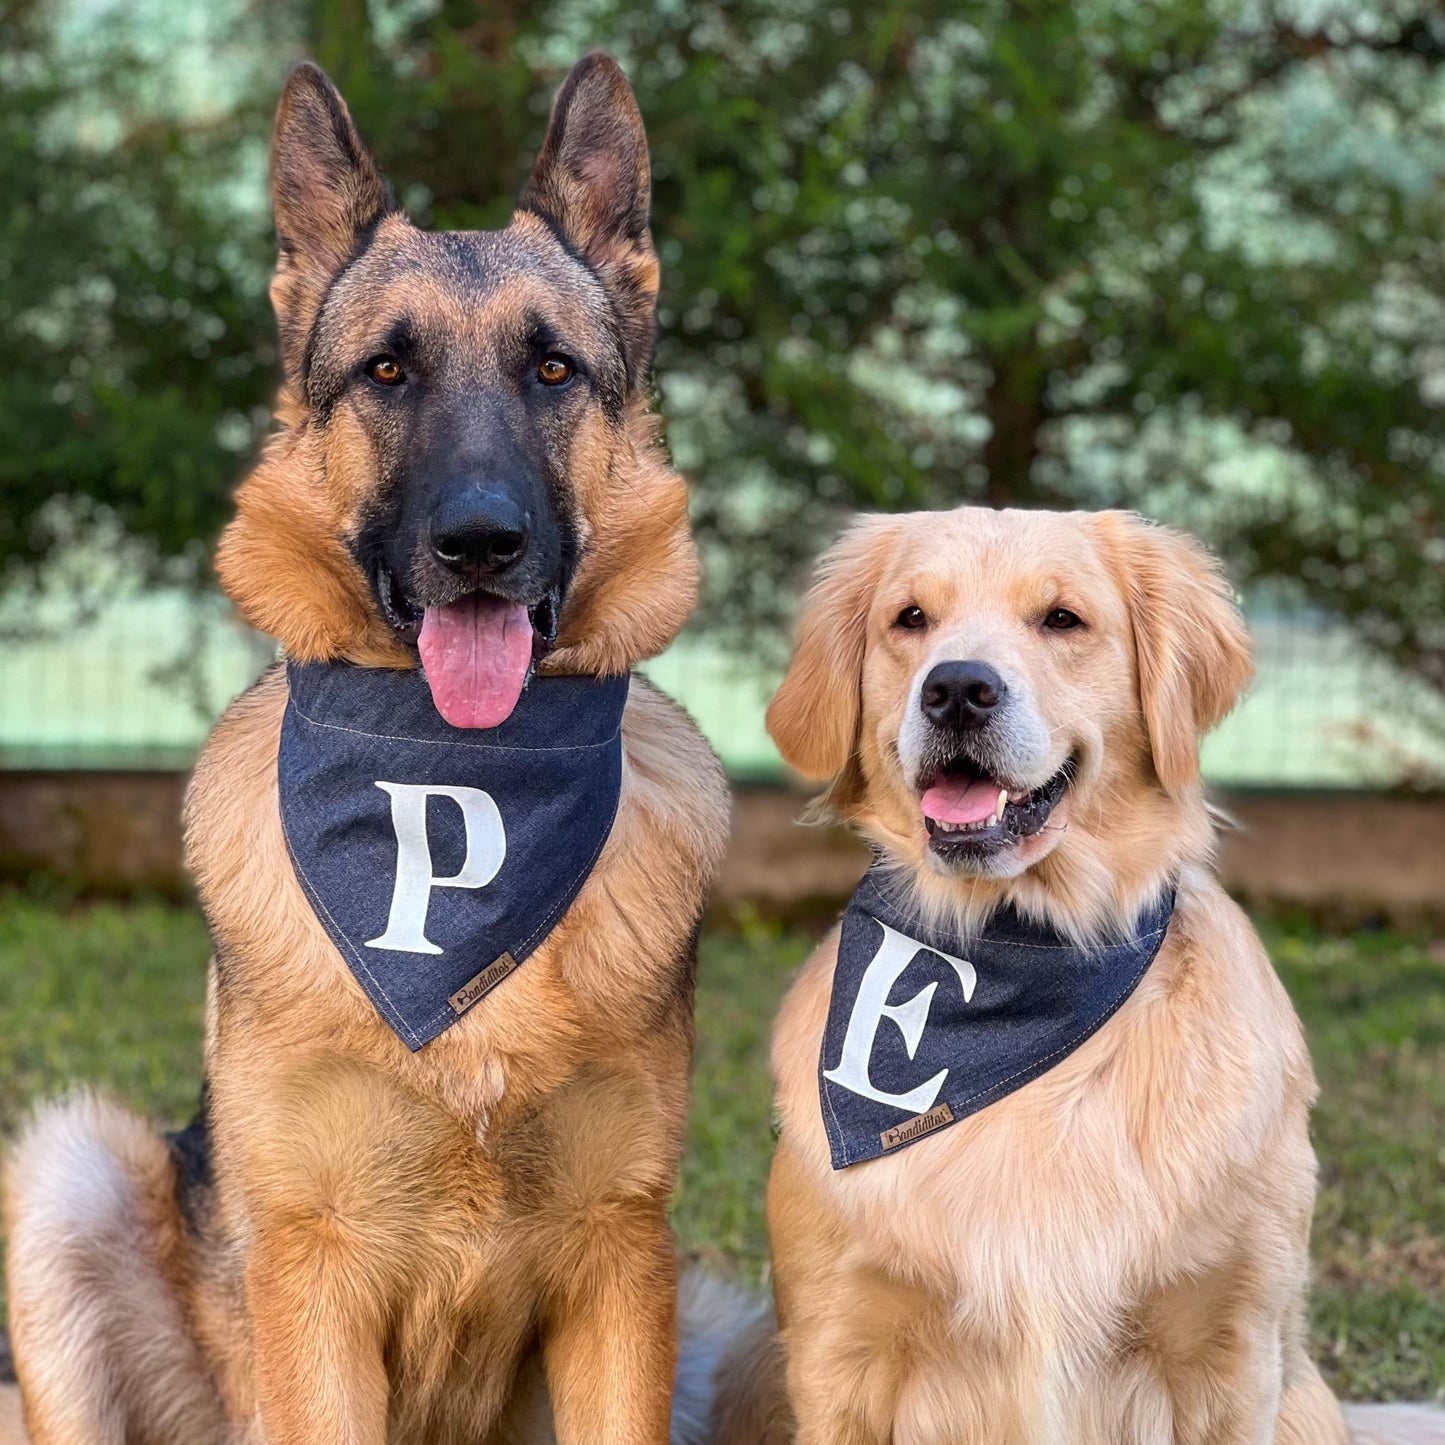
461,1179
989,1273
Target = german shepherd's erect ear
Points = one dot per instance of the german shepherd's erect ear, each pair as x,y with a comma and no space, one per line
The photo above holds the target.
468,469
593,184
327,195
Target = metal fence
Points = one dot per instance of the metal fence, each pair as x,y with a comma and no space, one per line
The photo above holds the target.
138,684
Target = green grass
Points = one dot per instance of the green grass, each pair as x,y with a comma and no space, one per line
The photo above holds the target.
1374,1011
111,994
107,993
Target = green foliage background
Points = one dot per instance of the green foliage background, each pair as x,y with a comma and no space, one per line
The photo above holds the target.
1179,254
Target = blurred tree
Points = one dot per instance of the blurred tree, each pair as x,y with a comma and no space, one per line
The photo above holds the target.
1032,253
131,298
1181,254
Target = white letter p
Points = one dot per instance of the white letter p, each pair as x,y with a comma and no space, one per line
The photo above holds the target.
486,848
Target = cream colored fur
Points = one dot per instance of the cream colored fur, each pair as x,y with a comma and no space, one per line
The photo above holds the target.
1117,1253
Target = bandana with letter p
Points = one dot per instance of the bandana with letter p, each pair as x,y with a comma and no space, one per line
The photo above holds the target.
438,858
924,1029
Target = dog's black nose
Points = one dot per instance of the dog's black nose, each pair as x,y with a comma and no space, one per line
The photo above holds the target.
477,532
961,694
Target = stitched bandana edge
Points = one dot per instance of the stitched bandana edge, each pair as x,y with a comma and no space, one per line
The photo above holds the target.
924,1030
523,810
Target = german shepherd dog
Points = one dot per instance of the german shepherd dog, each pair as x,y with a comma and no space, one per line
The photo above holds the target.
352,1242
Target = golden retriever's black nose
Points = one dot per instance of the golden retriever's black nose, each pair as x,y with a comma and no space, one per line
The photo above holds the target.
961,694
476,532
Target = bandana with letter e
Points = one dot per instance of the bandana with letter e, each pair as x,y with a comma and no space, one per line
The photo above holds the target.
924,1029
438,858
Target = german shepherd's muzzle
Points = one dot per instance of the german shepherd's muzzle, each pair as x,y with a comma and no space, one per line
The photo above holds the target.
472,532
471,540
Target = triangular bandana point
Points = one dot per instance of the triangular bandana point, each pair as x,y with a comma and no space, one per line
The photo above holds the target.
437,858
925,1029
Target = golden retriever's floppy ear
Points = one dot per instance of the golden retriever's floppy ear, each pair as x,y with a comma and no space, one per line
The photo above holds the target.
815,713
1191,646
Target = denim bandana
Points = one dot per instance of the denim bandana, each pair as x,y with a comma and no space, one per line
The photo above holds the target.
438,858
925,1029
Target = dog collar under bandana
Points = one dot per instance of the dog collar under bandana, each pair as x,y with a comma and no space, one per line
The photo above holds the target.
438,858
925,1029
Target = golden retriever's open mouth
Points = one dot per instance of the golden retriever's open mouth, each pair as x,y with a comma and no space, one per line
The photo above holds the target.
969,814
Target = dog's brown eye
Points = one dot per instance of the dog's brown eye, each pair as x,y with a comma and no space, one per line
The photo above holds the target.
554,370
384,369
1062,620
911,618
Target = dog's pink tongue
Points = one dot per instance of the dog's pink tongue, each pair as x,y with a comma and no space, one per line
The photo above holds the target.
960,800
476,653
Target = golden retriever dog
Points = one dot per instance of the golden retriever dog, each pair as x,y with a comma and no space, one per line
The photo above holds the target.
370,1233
1009,705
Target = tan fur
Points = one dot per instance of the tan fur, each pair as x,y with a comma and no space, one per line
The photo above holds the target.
400,1247
1117,1252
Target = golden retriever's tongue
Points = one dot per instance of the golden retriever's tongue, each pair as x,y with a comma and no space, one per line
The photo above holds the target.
476,653
960,800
